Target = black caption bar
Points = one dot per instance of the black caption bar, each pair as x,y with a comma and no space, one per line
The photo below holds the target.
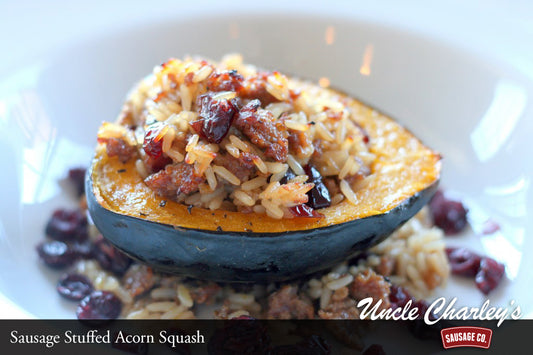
248,337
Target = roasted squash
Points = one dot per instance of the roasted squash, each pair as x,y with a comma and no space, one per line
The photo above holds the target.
234,246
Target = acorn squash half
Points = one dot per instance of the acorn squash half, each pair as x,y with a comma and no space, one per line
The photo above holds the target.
232,246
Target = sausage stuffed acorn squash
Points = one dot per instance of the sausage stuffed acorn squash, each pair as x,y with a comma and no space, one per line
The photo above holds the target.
222,171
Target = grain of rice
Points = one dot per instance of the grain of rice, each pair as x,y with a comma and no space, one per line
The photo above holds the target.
355,168
274,168
281,174
184,296
260,164
297,126
340,269
202,73
433,245
332,276
300,179
272,210
215,203
274,89
161,306
272,186
294,165
337,199
239,143
340,132
325,298
211,178
254,183
278,108
348,192
226,175
186,97
244,198
174,313
340,282
162,293
323,132
175,155
347,167
191,144
141,169
354,270
225,95
208,196
233,151
314,283
259,209
205,189
421,261
193,199
139,314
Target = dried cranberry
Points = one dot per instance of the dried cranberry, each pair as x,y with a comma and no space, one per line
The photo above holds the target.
67,225
216,117
490,226
447,214
374,349
319,194
110,258
463,262
399,296
156,164
56,254
153,139
77,177
305,211
74,286
489,275
99,305
83,249
225,81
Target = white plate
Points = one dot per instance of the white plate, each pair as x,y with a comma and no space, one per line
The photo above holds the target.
460,93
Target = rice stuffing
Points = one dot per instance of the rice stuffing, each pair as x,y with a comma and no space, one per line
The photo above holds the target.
236,129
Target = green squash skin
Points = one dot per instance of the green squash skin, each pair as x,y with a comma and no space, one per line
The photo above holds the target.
247,256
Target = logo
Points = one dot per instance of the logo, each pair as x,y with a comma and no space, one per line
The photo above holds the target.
476,337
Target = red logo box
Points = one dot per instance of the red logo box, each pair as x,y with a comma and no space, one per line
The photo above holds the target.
476,337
